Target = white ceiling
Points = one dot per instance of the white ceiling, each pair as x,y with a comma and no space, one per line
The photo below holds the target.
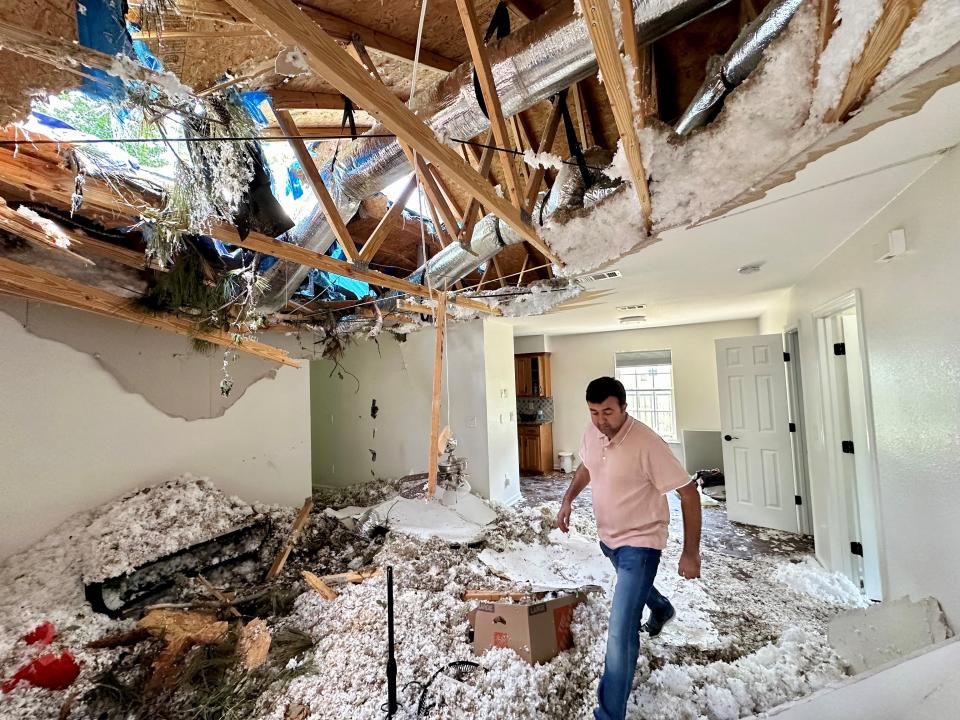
691,274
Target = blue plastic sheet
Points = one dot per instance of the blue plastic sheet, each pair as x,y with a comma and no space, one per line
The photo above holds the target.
101,26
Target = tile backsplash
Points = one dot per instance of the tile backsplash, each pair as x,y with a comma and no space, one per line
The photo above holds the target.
531,405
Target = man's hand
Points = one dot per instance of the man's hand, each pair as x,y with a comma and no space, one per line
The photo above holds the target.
689,565
563,517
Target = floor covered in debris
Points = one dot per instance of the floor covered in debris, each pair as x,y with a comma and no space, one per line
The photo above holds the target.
749,635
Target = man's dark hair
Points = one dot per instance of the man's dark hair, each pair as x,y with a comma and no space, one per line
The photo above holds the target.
603,387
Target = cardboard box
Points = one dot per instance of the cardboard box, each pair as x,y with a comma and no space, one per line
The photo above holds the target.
536,630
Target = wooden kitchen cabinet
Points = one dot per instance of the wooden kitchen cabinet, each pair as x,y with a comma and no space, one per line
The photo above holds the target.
536,448
533,375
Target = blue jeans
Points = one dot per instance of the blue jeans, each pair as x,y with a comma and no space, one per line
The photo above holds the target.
636,569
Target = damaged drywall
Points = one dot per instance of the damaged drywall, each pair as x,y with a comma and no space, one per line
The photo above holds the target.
164,369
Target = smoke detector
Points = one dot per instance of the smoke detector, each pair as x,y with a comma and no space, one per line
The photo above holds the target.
751,268
598,276
628,308
629,319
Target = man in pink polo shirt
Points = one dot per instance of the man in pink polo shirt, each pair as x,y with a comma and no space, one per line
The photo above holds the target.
630,469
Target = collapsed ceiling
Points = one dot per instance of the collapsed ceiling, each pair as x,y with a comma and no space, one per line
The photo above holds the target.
529,170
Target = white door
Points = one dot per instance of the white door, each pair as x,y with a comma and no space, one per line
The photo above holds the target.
754,417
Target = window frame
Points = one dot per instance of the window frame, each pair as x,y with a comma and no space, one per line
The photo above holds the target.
652,393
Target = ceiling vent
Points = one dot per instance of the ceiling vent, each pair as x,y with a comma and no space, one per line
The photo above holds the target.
633,319
598,276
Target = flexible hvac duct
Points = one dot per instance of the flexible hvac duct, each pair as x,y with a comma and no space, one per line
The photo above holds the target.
537,61
740,60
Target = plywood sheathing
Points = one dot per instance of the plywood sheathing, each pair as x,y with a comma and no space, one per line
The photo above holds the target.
24,77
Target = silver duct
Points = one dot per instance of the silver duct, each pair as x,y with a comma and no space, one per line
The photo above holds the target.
740,60
537,61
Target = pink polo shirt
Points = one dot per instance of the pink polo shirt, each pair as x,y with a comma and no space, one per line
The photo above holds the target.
629,479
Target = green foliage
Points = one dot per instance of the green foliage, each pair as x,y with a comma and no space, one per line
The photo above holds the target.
97,118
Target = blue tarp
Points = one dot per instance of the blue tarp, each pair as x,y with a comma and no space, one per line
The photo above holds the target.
101,26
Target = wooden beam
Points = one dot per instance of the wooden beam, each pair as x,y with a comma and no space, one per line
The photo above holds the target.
447,195
149,35
882,41
580,115
303,100
599,20
315,132
647,81
34,283
488,88
630,46
331,62
546,144
828,19
523,174
42,232
310,258
387,222
441,318
484,164
325,591
330,211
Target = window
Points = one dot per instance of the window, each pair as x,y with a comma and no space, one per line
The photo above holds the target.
648,379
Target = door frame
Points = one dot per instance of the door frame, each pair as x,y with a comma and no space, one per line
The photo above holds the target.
831,419
801,469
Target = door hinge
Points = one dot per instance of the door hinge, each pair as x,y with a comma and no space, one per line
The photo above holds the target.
793,427
797,500
786,357
839,348
847,446
856,548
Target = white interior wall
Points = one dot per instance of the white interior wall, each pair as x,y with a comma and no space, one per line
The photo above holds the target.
578,359
399,376
531,344
73,437
911,318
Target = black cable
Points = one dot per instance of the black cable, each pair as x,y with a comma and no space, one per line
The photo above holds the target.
458,665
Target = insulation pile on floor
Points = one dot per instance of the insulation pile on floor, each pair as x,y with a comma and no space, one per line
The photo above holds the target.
743,642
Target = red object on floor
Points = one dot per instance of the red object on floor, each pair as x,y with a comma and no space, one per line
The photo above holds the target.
50,671
42,634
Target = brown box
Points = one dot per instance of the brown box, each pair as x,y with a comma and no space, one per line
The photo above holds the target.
536,630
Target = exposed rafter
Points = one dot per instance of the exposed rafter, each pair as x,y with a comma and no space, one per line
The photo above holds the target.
599,20
315,132
434,451
303,100
387,223
546,145
309,165
488,88
311,258
37,284
883,39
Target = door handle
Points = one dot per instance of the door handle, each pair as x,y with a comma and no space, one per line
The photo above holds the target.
728,438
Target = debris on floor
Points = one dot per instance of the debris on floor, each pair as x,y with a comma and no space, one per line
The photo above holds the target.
742,642
866,639
808,576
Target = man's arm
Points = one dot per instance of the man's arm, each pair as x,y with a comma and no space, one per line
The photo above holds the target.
690,507
581,478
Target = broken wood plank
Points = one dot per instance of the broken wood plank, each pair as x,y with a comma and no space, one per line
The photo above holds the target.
883,40
488,88
389,221
121,639
432,469
599,21
39,231
298,524
309,166
36,284
311,258
331,62
324,590
219,595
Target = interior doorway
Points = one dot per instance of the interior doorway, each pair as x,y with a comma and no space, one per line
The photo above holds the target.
803,497
850,444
